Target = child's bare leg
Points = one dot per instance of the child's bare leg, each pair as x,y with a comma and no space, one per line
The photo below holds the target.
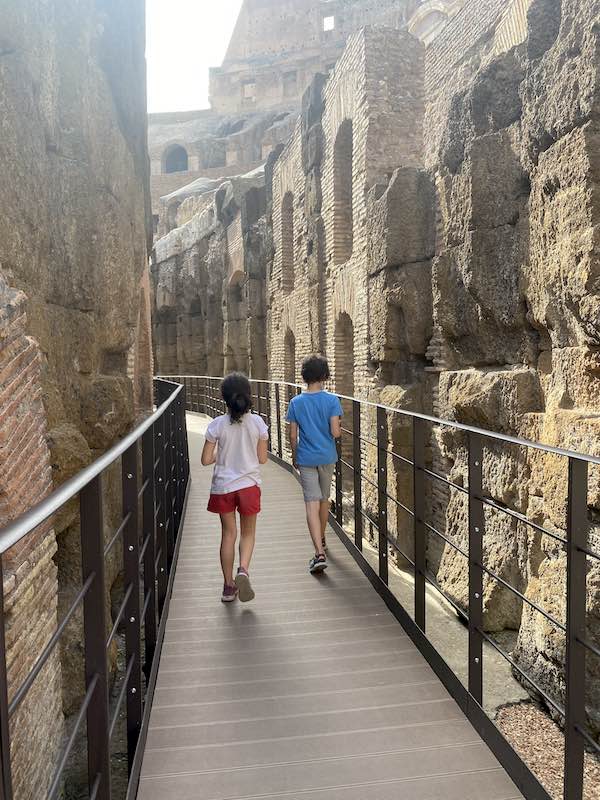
247,539
314,524
324,516
228,537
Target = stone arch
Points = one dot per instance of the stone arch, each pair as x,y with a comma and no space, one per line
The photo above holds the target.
343,345
287,242
343,218
175,159
431,17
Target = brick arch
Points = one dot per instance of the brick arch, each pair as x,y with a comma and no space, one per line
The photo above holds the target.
343,216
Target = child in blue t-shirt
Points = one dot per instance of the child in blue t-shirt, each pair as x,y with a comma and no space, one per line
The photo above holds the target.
315,424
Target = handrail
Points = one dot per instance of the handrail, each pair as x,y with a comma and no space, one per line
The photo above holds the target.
501,437
27,522
142,628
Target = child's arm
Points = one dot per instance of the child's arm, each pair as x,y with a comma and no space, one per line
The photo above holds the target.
209,453
262,451
335,426
294,442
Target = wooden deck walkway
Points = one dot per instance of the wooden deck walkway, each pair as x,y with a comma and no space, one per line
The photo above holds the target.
312,691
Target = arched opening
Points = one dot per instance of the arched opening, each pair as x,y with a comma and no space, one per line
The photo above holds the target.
344,378
175,159
287,242
342,193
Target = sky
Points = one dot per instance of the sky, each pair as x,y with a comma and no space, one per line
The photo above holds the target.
184,39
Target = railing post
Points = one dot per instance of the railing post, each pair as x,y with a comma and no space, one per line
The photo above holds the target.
169,486
267,387
258,400
382,450
94,634
338,483
419,512
149,532
476,532
131,564
357,464
278,416
179,404
575,719
161,538
6,792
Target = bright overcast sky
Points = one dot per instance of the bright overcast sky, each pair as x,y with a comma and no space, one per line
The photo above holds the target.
184,39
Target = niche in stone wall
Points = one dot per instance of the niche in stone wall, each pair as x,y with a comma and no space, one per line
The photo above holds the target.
289,357
175,159
342,193
287,242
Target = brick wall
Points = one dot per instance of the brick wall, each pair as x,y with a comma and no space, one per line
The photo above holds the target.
30,576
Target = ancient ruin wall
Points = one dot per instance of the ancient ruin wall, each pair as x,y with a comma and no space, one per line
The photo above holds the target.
516,300
209,278
74,354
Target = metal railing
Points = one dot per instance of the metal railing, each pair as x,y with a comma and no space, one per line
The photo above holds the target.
154,463
271,400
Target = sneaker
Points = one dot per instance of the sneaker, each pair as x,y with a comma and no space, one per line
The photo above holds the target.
242,581
317,564
229,593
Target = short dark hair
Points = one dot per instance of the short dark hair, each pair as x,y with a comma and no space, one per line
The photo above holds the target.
315,369
237,394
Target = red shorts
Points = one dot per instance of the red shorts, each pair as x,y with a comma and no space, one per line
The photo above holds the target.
246,501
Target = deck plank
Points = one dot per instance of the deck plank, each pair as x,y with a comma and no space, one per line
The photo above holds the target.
313,690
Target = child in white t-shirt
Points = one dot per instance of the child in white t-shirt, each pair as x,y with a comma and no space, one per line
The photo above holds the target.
236,443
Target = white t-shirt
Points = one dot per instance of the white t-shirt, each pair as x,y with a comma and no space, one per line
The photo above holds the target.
237,465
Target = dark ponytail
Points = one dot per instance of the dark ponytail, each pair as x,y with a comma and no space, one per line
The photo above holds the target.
237,394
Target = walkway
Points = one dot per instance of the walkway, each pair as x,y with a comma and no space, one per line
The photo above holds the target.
312,691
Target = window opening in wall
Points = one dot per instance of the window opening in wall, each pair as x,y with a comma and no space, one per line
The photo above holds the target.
287,242
343,236
329,23
176,159
249,91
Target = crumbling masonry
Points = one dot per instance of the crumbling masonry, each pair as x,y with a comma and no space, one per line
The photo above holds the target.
431,225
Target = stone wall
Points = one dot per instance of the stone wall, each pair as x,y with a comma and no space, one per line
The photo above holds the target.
517,304
75,370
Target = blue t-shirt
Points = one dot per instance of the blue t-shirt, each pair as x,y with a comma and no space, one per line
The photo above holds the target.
312,412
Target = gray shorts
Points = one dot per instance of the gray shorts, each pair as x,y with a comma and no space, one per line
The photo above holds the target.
316,482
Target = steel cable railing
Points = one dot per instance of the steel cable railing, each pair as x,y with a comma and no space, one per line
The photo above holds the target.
271,399
163,433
